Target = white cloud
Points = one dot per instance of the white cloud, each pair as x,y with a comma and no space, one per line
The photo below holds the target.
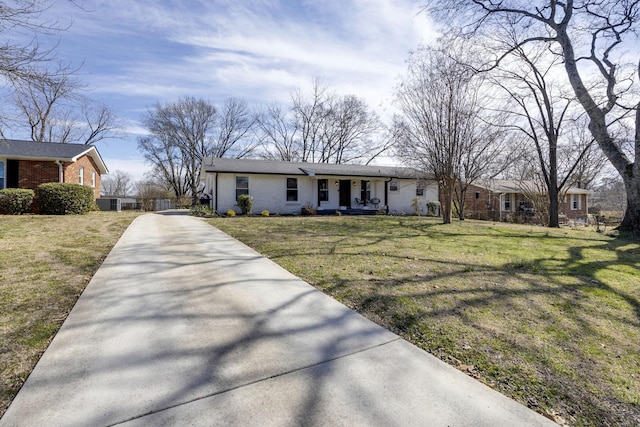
139,52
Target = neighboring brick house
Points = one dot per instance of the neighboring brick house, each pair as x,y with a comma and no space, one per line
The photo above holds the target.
502,200
27,164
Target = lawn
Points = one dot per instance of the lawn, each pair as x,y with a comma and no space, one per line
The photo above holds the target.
549,317
45,264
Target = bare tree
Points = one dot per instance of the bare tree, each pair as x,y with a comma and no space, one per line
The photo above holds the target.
351,132
310,114
186,131
57,111
21,53
97,122
235,125
167,160
18,60
322,128
278,136
440,129
118,184
487,155
609,198
543,111
149,190
590,163
588,35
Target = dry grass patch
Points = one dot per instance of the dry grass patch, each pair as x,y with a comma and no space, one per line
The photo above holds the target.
550,317
45,264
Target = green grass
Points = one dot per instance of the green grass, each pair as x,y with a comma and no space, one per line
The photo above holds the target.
45,264
550,317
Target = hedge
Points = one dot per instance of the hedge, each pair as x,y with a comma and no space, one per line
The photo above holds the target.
65,198
16,201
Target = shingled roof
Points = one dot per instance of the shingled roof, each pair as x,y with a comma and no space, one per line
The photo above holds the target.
275,167
29,150
518,186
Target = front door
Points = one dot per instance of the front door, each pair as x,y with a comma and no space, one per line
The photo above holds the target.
345,193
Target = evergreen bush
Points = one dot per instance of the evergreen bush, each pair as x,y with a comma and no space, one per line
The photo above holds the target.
16,201
65,198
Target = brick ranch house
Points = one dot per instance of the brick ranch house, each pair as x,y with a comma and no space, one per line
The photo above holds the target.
27,164
505,200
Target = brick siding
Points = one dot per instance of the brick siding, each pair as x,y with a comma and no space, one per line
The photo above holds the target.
32,173
487,205
72,174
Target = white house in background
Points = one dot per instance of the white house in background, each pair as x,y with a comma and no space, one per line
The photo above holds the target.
287,187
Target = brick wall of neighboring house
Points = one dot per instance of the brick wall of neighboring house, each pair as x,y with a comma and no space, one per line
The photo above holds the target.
481,203
72,173
32,173
566,207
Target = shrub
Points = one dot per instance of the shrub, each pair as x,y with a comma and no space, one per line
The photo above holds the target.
433,208
65,198
202,211
245,203
16,201
264,213
416,204
231,212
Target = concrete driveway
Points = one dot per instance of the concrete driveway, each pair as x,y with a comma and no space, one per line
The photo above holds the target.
184,325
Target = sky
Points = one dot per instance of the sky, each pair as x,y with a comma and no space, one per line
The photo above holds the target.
136,53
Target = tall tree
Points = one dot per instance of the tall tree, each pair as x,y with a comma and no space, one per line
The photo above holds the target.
543,111
589,35
322,127
187,130
56,110
21,54
277,134
440,130
351,132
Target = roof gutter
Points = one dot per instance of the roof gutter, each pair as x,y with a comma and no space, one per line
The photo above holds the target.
60,171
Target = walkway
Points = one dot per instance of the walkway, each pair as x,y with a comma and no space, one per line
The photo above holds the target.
183,325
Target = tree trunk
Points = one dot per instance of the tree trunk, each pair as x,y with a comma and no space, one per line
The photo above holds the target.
631,220
628,170
446,199
554,220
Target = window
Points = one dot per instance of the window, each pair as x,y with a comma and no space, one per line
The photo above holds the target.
365,191
419,188
393,185
292,189
81,176
93,179
242,185
1,175
323,190
507,202
575,202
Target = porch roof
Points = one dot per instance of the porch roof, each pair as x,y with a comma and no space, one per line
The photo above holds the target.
275,167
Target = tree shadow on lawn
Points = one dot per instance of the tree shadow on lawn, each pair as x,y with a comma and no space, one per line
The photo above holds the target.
553,343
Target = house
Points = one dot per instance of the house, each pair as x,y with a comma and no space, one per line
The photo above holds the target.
288,187
503,200
27,164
